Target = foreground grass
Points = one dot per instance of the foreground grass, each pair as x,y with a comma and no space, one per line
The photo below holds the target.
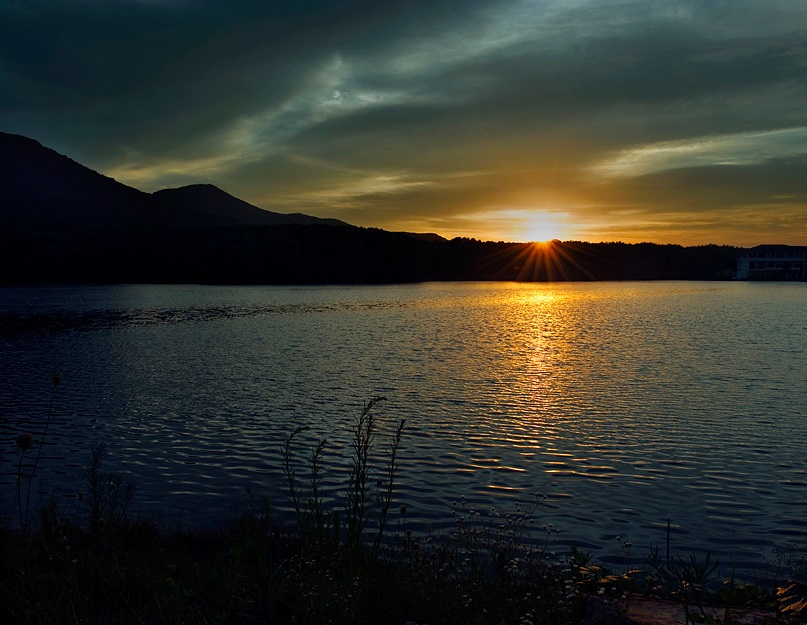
346,565
250,572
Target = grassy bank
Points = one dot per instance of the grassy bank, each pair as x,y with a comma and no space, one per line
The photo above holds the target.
252,571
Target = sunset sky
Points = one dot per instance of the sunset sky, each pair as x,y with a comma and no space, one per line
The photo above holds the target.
680,121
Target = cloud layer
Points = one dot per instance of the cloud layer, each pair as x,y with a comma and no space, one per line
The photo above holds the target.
683,121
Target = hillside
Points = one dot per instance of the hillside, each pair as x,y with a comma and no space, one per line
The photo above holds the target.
222,209
43,190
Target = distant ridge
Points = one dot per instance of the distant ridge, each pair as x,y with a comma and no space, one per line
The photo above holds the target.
43,190
221,208
424,236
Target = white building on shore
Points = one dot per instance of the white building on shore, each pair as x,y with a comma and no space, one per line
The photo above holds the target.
773,262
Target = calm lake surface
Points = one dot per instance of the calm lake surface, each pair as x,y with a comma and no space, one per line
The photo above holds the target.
626,404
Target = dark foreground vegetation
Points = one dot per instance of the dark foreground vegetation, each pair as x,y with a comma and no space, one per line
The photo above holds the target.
251,571
318,254
354,562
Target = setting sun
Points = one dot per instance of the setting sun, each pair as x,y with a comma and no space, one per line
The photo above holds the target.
541,227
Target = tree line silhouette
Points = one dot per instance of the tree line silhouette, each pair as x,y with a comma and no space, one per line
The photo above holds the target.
321,254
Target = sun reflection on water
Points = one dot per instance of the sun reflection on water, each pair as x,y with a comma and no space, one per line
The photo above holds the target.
596,395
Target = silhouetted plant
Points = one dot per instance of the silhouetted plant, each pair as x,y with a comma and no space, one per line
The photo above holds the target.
386,495
320,527
25,443
291,475
357,494
264,515
109,495
315,502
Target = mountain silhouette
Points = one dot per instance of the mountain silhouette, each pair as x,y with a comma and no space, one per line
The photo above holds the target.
63,223
219,208
43,190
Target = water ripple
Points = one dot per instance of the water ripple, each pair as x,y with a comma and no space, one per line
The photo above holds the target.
625,404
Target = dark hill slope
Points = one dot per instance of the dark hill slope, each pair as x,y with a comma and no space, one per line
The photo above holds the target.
222,209
42,190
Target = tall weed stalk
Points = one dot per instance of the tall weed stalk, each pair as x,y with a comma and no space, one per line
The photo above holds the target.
386,496
25,442
357,494
109,494
315,502
295,492
321,527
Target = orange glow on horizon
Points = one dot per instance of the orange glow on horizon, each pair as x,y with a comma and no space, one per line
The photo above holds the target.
544,261
541,227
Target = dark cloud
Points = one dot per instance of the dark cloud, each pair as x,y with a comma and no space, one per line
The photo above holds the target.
409,112
133,68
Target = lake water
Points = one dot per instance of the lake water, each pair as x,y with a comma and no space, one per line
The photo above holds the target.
626,404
